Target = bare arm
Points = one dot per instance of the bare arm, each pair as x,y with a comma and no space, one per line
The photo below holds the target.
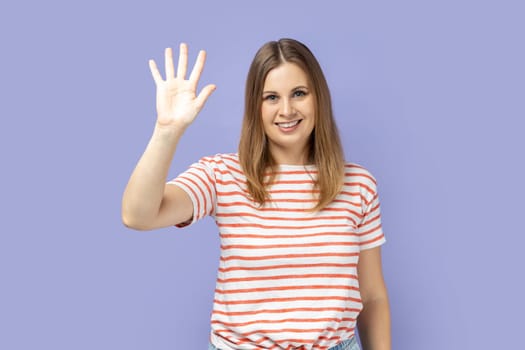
148,202
374,320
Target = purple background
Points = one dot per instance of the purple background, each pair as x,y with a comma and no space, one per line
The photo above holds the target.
429,96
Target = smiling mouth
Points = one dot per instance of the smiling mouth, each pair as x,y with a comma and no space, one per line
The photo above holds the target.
289,124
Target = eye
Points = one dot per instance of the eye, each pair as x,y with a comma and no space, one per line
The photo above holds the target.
299,93
270,97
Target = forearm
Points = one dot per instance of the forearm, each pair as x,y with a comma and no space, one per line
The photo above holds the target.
144,192
374,325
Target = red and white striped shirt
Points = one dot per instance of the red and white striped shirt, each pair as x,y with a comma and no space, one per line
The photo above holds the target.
287,277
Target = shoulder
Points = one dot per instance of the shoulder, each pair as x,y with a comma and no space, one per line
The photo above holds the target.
358,176
222,163
219,158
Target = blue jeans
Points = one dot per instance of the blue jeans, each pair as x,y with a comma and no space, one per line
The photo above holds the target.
349,344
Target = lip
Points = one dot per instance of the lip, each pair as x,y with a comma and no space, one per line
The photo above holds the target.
289,121
290,129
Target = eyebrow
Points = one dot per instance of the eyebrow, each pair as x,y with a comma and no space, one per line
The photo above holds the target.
294,89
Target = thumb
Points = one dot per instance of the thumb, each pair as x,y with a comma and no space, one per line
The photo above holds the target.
204,94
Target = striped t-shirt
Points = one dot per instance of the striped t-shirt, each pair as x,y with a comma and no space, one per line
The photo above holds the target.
287,277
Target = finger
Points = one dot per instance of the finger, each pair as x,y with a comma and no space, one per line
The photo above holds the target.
183,61
168,62
155,72
204,94
198,67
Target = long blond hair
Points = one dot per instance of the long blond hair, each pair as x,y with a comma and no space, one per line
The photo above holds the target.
325,150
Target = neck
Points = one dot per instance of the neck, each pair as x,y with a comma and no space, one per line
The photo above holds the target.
288,157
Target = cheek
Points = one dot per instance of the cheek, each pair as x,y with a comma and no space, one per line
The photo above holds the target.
311,107
267,112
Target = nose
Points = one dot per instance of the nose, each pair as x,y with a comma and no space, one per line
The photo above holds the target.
287,108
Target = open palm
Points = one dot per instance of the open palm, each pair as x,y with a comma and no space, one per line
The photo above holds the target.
177,101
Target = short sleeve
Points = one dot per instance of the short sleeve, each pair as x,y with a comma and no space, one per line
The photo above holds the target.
369,229
198,181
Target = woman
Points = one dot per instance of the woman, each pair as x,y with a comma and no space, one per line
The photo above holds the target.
300,228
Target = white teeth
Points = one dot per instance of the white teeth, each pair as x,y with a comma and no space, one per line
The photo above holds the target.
289,124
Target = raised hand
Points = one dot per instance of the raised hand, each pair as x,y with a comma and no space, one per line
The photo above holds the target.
177,101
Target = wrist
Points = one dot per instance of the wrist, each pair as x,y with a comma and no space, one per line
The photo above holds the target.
168,133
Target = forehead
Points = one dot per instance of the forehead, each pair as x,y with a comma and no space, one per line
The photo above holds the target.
285,76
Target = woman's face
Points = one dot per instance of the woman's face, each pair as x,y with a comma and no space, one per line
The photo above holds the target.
288,113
